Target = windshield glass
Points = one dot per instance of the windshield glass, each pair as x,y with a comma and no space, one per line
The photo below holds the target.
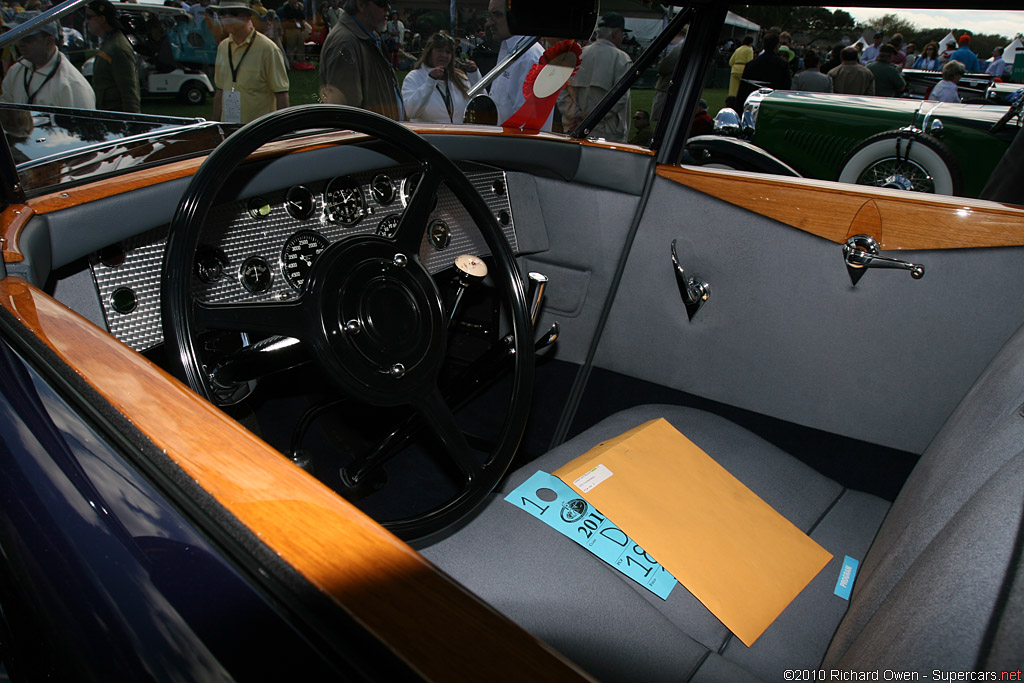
166,67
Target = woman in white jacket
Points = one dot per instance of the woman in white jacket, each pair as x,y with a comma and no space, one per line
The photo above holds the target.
435,90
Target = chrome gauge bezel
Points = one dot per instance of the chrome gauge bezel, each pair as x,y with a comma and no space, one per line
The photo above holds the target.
300,202
343,201
382,189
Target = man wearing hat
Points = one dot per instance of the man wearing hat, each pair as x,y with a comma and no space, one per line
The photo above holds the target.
354,67
603,64
965,56
115,75
250,75
870,53
888,81
43,75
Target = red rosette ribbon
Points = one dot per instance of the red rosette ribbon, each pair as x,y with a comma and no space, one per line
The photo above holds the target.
536,109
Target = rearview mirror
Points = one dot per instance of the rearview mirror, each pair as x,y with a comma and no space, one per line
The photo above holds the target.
561,19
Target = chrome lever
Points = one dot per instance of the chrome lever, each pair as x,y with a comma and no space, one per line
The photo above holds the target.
694,290
863,251
536,284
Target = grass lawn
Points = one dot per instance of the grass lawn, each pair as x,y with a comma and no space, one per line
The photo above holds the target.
305,84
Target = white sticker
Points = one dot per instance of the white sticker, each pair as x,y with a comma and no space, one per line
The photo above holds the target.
592,478
232,106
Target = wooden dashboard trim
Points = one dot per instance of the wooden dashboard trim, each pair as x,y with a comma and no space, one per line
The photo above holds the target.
430,621
12,221
898,220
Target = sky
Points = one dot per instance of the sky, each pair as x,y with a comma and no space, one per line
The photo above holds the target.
978,21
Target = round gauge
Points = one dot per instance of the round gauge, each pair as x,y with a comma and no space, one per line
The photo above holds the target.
439,234
382,187
299,202
298,255
409,187
255,275
389,225
258,207
343,201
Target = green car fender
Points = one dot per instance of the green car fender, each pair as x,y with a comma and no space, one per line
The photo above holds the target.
820,134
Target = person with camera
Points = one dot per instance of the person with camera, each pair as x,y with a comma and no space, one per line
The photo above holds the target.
436,88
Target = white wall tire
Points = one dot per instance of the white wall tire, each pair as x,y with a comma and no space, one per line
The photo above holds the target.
918,163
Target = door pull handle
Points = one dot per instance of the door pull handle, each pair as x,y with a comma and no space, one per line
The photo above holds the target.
694,290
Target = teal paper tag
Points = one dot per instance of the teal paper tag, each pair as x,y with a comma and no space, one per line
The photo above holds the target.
550,500
846,576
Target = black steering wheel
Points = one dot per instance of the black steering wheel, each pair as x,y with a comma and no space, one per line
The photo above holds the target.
370,314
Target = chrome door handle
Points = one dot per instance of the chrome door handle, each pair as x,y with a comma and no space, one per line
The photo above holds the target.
694,290
862,252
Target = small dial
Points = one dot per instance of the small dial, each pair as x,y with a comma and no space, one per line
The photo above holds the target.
258,207
389,225
343,201
409,188
382,187
439,234
255,275
299,202
298,255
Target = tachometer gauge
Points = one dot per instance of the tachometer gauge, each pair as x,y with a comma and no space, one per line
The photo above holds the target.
299,202
343,201
382,187
298,255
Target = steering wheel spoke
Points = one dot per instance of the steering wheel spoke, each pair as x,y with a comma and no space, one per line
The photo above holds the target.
438,414
413,223
285,319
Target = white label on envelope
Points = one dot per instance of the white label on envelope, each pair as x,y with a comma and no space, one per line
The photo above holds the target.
592,478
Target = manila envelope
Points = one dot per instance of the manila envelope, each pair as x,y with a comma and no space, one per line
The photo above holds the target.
733,551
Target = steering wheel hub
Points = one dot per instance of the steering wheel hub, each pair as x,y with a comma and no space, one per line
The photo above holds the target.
376,312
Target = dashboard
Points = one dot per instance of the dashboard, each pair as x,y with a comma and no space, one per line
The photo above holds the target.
261,247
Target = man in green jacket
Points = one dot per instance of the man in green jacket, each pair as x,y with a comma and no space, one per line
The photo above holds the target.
353,67
115,75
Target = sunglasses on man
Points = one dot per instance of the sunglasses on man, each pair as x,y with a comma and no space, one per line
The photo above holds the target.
240,13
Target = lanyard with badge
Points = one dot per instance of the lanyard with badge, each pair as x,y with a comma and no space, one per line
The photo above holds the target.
446,95
233,98
30,73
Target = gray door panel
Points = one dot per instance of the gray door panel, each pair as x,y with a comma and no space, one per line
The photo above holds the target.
786,334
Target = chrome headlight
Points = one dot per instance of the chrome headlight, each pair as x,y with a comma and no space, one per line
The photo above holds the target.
727,122
750,108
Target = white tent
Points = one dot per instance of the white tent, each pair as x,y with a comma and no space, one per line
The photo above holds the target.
1012,51
646,29
950,38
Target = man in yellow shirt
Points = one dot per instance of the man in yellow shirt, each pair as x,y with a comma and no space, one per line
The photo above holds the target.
250,73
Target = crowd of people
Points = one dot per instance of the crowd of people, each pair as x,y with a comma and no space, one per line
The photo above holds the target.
361,46
859,69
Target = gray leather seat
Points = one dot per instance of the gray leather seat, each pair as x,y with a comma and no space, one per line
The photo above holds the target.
938,586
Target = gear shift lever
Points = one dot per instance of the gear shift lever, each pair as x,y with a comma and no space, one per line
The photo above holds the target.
471,269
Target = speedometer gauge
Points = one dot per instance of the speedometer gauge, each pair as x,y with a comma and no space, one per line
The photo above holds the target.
343,201
298,255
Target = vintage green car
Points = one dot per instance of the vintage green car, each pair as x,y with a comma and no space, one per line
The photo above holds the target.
899,143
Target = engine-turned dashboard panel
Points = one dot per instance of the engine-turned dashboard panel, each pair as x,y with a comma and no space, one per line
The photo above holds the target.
261,248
